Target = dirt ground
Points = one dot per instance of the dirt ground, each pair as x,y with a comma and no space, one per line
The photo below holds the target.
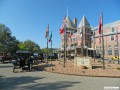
111,69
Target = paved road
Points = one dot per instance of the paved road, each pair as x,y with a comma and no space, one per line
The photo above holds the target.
40,80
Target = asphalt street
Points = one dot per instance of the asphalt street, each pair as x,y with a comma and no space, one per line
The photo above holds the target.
41,80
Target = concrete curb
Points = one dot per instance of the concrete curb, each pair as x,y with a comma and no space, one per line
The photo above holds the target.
85,75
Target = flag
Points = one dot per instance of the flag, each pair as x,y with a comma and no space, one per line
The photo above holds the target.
69,35
50,39
81,29
116,36
92,38
47,32
100,24
73,35
63,26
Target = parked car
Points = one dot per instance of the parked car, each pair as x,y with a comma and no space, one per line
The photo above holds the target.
53,56
4,56
39,56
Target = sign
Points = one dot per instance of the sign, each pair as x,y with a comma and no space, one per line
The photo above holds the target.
82,61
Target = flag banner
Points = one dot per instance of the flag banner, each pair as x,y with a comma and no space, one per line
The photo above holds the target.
50,39
81,32
73,35
92,38
63,26
69,35
47,32
100,24
81,29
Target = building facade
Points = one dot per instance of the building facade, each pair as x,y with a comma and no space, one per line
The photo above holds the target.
111,34
84,39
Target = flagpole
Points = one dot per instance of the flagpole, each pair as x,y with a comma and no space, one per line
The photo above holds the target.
106,48
47,49
51,49
47,43
64,47
94,45
103,44
70,44
82,42
117,45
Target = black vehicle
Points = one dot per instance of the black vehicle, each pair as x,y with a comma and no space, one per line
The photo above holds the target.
23,59
39,57
53,56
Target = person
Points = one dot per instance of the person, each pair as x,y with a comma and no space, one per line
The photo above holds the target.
30,62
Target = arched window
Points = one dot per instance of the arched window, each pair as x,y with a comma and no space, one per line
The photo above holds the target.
109,50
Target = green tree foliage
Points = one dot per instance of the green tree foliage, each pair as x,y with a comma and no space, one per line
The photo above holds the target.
45,50
8,43
29,45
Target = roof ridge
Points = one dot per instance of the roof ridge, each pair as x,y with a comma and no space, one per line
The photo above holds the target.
108,24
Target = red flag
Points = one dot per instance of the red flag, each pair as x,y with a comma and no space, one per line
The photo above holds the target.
47,32
63,26
100,24
61,30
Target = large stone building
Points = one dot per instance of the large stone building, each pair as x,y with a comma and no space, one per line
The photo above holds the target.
79,39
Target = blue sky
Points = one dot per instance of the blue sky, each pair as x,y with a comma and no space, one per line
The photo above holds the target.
28,19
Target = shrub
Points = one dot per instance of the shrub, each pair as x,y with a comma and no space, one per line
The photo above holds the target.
118,68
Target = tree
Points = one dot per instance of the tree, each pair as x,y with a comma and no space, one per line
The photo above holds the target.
45,50
8,43
29,45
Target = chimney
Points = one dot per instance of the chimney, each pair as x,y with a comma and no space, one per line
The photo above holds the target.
75,22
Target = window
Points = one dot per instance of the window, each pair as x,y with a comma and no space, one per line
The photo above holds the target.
97,50
112,38
73,39
115,50
109,50
113,30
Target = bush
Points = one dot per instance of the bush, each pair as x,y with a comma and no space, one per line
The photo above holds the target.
118,68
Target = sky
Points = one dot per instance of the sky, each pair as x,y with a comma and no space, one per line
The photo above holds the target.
28,19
